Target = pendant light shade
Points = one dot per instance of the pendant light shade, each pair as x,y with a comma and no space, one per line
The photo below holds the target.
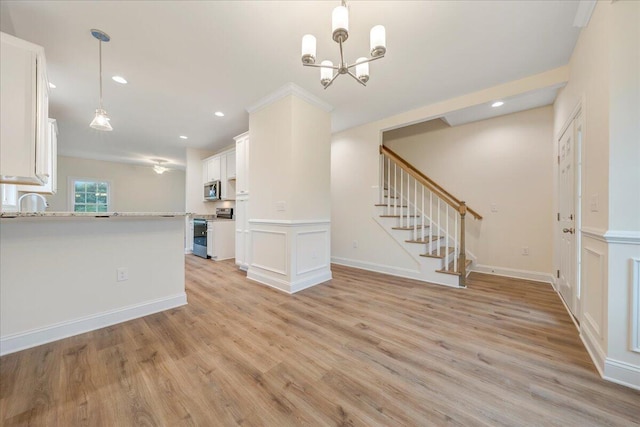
340,23
101,119
362,69
378,41
308,49
326,72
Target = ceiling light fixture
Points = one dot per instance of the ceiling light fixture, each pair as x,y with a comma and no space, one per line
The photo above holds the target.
101,120
184,137
52,86
219,113
119,79
340,26
497,104
158,168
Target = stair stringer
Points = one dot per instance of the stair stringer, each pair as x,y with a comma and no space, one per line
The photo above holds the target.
427,266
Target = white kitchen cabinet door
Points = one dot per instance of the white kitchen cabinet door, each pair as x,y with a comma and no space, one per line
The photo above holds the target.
24,109
242,164
189,243
213,169
9,196
242,232
210,240
51,187
231,164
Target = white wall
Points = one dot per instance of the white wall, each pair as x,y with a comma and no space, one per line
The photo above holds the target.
133,188
605,78
58,275
506,161
354,171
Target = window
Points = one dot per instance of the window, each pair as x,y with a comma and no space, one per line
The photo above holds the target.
89,195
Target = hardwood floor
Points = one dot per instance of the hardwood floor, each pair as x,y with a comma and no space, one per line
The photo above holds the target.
363,349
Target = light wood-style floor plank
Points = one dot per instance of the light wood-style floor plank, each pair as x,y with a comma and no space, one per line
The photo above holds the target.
363,349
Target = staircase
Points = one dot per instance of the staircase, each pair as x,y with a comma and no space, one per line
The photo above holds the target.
425,219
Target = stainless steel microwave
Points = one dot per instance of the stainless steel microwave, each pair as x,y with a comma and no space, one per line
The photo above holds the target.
212,190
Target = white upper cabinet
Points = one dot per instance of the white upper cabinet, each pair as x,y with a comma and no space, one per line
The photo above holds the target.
213,169
242,164
24,113
221,167
51,187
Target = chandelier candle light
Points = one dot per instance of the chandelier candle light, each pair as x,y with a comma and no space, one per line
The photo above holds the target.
101,120
340,27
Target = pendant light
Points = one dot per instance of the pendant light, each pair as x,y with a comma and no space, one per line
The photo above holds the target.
101,120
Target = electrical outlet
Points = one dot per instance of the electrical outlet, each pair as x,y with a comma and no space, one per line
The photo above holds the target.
525,250
122,274
355,244
494,207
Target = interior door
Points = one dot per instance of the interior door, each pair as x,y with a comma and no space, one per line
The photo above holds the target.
567,285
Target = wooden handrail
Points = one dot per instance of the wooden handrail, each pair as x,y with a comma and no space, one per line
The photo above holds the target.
428,182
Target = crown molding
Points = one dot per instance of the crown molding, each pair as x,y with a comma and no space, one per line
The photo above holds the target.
286,90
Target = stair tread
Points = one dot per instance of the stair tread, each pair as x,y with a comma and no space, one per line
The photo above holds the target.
390,197
426,239
410,228
434,254
468,263
391,206
398,216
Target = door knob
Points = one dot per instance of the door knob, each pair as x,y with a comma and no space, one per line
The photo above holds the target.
567,230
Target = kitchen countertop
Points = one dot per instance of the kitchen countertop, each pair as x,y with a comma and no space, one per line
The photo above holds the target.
90,214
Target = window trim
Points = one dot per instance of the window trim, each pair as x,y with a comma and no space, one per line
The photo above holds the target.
71,190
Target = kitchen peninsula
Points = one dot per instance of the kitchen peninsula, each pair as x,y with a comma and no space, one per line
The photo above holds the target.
65,273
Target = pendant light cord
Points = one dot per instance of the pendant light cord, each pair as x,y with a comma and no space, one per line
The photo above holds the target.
100,62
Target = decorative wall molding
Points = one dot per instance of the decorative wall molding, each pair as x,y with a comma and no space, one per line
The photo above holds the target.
612,236
35,337
634,318
535,276
298,259
622,373
591,344
286,90
289,222
596,325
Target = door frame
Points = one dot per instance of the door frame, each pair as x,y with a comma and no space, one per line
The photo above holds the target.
578,112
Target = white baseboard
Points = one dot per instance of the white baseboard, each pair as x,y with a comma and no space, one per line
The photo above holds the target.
594,350
622,373
285,286
512,272
23,340
377,268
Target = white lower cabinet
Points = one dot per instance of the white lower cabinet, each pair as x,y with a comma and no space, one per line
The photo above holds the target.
210,240
242,232
9,196
220,239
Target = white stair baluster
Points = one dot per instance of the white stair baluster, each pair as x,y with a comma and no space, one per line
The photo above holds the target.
388,185
455,244
415,209
446,236
422,217
381,179
401,196
395,188
439,226
430,219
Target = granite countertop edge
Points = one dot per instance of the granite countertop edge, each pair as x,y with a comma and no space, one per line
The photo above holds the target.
90,214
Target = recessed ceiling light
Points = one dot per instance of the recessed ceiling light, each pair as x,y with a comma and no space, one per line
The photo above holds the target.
52,86
219,113
184,137
119,79
497,104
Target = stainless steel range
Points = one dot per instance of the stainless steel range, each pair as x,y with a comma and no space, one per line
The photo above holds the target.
200,237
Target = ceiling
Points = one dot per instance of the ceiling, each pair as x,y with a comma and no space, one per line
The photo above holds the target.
184,60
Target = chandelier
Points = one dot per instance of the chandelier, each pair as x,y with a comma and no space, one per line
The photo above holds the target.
101,120
340,27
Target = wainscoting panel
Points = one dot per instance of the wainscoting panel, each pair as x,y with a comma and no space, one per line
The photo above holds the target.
269,250
593,290
311,251
635,306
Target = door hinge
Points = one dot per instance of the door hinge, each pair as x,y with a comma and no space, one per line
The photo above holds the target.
558,274
558,159
558,216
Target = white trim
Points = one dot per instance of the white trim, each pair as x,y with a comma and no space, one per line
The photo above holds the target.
23,340
289,287
596,326
622,373
286,90
594,350
71,191
594,233
290,222
625,237
635,306
535,276
584,12
378,268
286,251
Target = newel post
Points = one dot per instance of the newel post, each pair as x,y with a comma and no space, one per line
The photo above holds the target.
462,260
